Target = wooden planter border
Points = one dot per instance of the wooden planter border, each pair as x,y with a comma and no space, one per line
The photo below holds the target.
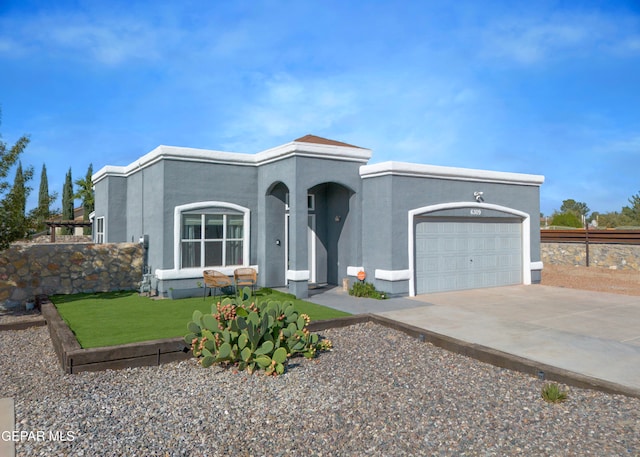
21,325
74,359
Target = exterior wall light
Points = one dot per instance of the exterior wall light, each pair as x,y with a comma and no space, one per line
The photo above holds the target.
478,196
337,218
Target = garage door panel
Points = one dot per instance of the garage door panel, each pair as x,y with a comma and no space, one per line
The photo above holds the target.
456,255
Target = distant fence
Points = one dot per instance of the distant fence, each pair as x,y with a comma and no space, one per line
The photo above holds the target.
590,236
615,249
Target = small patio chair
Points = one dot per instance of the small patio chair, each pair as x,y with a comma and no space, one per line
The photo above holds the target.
245,277
215,280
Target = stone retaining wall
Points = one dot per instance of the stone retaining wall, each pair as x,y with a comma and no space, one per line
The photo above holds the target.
613,256
29,270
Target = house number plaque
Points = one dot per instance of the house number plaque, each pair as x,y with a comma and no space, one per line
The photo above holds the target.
475,212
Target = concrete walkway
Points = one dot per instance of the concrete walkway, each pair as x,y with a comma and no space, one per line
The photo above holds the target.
592,334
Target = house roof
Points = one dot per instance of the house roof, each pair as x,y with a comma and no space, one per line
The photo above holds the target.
319,140
453,173
306,146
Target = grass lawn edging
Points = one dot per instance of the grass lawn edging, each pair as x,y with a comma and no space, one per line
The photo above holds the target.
23,324
73,359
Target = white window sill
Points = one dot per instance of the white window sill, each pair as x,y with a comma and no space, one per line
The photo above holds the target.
191,273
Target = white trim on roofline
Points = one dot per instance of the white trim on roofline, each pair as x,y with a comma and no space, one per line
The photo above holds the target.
314,150
294,148
458,174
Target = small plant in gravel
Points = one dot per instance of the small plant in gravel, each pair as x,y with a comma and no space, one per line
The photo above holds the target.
551,393
366,290
252,336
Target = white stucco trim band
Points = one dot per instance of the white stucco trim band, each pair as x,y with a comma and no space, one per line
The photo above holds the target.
353,271
193,273
320,151
298,275
526,235
392,275
453,173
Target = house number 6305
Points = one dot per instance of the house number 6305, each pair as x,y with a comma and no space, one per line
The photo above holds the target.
476,212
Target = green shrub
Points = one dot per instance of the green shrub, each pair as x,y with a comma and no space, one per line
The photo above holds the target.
252,336
551,393
366,290
566,220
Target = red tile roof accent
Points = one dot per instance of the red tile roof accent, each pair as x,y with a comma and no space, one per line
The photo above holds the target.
320,140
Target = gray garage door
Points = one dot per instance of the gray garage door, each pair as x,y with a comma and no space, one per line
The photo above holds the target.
467,254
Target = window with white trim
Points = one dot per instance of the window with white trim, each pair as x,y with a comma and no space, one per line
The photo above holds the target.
212,237
99,238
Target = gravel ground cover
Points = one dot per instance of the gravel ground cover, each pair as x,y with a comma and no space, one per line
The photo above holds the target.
626,282
378,393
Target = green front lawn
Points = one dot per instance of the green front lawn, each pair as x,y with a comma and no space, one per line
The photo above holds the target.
110,319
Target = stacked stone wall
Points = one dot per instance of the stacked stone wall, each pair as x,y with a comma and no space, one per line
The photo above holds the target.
613,256
28,270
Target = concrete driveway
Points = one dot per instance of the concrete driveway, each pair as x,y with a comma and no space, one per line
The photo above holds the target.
596,335
601,315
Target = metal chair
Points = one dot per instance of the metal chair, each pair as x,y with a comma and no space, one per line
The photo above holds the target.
245,277
215,280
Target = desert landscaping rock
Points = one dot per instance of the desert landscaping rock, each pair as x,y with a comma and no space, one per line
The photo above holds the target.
28,270
379,392
626,282
612,256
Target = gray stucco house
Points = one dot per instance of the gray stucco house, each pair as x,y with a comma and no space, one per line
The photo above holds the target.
314,211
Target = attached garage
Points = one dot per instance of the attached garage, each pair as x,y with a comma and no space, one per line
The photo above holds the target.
455,253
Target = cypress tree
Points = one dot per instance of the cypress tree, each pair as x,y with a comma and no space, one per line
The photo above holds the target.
19,192
43,200
67,202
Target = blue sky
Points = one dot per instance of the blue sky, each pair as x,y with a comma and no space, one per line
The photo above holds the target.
544,87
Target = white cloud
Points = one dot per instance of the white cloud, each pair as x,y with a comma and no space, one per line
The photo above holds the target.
528,43
107,43
10,47
531,40
287,107
619,150
627,46
107,40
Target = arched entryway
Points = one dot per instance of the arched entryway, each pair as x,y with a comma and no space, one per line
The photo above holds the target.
329,240
331,231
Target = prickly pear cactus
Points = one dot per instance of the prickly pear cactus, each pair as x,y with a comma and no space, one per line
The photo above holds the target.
252,335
